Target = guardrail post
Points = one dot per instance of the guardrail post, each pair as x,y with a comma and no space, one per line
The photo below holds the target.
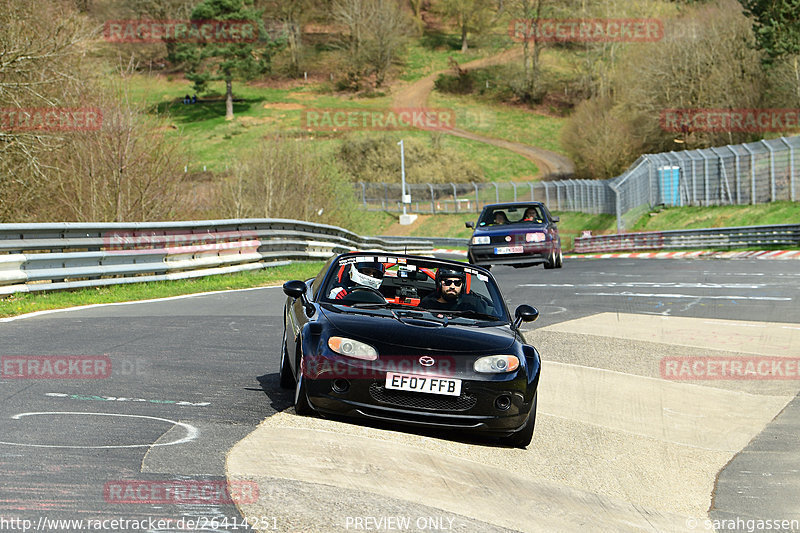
477,199
515,189
771,171
791,168
531,185
363,193
455,197
752,174
433,200
496,192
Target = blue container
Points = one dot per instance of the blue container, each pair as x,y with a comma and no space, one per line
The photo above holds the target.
669,180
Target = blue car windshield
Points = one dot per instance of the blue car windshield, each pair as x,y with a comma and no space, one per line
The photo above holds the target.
452,290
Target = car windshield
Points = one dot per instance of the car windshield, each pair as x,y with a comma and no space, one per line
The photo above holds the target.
410,284
517,214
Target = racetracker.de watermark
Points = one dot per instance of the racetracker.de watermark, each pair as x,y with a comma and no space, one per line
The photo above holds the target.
181,242
55,366
378,119
321,367
586,30
181,492
180,31
730,120
730,368
16,119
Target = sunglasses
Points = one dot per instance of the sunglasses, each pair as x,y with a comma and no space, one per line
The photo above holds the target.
454,282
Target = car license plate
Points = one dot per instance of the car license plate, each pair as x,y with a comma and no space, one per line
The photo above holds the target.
500,250
427,384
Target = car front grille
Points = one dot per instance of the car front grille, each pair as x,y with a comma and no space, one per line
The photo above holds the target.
421,400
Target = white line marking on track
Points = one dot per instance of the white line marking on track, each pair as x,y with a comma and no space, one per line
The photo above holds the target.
80,307
648,285
191,431
668,295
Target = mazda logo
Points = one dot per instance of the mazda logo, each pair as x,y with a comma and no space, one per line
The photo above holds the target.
426,360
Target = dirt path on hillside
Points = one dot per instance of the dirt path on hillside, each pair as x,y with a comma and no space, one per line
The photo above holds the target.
416,95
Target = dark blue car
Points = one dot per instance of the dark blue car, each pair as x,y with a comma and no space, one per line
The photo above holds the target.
517,234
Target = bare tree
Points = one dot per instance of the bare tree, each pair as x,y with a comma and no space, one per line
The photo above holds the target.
291,16
471,16
705,61
528,14
128,170
376,32
42,49
162,10
282,178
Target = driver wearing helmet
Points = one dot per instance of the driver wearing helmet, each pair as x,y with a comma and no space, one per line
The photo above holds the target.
362,274
450,294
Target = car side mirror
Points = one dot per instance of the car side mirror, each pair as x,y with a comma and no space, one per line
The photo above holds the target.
470,224
297,289
294,288
556,219
525,313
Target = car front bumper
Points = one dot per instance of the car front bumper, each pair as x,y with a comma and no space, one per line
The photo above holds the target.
484,254
475,410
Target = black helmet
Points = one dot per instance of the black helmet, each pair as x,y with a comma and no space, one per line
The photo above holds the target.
443,273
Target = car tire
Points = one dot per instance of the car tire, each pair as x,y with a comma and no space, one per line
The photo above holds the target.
301,405
551,261
523,437
287,378
560,259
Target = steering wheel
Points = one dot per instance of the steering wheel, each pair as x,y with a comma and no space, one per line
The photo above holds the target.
364,295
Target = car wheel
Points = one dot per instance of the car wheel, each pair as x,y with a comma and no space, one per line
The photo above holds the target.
523,437
301,405
560,259
551,261
287,379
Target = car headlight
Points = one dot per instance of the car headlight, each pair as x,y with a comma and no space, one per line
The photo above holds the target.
481,240
352,348
496,364
536,236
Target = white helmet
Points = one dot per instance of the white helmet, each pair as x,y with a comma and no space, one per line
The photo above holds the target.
368,274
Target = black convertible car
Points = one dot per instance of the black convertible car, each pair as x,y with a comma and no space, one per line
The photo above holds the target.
410,340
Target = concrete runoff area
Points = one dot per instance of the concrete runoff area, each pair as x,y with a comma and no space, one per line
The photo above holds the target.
612,450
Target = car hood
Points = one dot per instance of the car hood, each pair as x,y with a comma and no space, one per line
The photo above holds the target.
511,229
419,334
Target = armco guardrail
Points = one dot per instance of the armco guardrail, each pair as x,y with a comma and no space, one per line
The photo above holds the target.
38,257
439,242
741,237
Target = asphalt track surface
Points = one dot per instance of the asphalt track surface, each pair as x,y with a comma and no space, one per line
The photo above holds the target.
191,377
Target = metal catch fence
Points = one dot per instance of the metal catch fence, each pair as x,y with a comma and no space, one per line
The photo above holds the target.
752,173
